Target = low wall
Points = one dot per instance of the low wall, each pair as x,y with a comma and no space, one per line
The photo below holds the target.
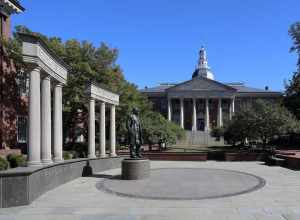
244,156
20,186
176,156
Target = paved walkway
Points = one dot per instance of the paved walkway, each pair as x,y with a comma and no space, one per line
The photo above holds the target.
279,199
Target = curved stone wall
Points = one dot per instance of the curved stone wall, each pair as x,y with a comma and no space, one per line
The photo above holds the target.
22,185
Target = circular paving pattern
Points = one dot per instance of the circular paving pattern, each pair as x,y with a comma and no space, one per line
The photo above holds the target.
184,184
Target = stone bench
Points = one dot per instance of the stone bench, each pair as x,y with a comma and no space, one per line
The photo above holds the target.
276,160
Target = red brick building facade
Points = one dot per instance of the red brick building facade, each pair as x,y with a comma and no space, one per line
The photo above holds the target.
13,97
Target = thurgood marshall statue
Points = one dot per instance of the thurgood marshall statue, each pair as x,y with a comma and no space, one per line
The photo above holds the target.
134,134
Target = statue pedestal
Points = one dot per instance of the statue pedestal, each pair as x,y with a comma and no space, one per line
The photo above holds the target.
135,169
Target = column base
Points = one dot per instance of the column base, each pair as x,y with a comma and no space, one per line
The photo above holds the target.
34,163
103,156
92,156
207,129
58,160
47,161
113,155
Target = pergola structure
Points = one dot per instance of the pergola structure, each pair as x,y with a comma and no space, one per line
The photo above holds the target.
95,93
45,69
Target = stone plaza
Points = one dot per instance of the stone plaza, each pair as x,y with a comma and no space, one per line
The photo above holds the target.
278,199
79,169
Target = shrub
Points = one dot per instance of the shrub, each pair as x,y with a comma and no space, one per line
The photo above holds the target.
79,150
262,121
217,132
67,155
3,164
156,129
16,160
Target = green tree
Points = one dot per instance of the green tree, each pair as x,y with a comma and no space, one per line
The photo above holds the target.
89,63
157,129
292,93
261,122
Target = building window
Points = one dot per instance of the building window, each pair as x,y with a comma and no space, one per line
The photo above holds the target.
23,84
22,129
1,26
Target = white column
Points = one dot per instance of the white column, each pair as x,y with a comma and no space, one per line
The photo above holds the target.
46,120
207,123
194,115
231,109
91,153
220,117
58,148
34,141
102,130
170,109
181,113
233,105
113,131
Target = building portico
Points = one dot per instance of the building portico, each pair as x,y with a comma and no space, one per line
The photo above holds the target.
104,98
203,104
47,72
200,104
200,112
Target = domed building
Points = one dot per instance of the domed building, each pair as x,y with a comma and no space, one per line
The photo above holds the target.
202,103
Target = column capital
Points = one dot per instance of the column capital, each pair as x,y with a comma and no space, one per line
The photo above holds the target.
36,68
47,77
58,84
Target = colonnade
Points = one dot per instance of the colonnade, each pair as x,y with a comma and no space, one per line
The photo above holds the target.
102,129
103,98
40,120
47,71
206,114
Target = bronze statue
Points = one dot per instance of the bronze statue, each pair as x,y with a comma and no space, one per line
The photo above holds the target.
134,134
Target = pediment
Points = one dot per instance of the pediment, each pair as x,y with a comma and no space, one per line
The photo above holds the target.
201,84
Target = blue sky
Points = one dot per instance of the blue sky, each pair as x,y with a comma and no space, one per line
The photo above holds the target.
246,40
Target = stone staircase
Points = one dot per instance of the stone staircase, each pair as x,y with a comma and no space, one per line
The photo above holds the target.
200,138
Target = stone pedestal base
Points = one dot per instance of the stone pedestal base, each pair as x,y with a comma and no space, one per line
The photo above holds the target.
135,169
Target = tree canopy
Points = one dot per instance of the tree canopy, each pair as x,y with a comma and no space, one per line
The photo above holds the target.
292,93
91,63
260,122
